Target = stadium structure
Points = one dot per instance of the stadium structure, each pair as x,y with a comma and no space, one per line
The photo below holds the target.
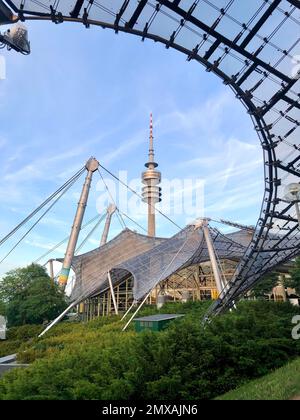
196,263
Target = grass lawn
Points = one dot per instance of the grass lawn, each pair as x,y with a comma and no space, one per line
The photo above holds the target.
283,384
17,337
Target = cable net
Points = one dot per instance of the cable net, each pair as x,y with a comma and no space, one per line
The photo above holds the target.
91,268
148,260
253,47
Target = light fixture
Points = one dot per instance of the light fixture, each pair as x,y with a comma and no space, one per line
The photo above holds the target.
16,38
292,195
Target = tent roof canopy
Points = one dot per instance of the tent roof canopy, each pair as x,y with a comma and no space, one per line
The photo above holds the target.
148,260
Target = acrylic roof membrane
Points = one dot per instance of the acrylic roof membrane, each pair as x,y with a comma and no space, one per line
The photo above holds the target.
253,47
148,260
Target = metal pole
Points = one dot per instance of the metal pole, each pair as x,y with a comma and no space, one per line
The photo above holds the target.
91,166
137,311
59,318
51,269
110,211
127,312
112,293
297,211
212,257
161,276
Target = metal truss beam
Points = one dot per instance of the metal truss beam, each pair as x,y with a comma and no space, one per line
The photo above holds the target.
282,217
287,169
279,96
295,3
260,23
293,162
121,12
136,14
291,101
6,15
212,49
201,25
275,250
77,9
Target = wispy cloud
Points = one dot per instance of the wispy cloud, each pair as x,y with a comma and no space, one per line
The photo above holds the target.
41,245
52,221
67,121
124,148
27,172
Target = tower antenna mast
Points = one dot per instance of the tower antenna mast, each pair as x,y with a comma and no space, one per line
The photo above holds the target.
151,178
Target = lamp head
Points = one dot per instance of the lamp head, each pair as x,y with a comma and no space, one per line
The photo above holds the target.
16,38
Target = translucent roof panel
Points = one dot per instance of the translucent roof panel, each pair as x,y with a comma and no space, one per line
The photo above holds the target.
149,260
91,268
253,47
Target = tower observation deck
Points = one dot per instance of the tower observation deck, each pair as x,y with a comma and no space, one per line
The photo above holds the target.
151,178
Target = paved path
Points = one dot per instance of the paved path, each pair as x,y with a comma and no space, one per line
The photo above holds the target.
9,362
4,368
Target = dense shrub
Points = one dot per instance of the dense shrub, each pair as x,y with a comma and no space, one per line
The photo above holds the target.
24,332
16,337
97,361
197,363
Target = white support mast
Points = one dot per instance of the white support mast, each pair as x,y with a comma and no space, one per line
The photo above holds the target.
112,293
110,211
212,255
91,166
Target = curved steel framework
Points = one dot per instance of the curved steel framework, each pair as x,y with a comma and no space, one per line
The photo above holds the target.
253,46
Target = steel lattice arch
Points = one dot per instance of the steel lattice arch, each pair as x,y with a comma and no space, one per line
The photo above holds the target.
252,46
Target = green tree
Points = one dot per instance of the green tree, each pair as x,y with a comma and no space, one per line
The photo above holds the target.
30,296
265,286
294,281
2,308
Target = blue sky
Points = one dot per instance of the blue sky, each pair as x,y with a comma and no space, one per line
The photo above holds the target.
90,92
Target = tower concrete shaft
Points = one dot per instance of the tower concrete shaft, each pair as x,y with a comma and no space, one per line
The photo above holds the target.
151,178
91,166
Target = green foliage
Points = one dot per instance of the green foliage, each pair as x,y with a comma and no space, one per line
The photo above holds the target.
2,308
24,333
96,360
294,281
30,296
16,281
16,337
